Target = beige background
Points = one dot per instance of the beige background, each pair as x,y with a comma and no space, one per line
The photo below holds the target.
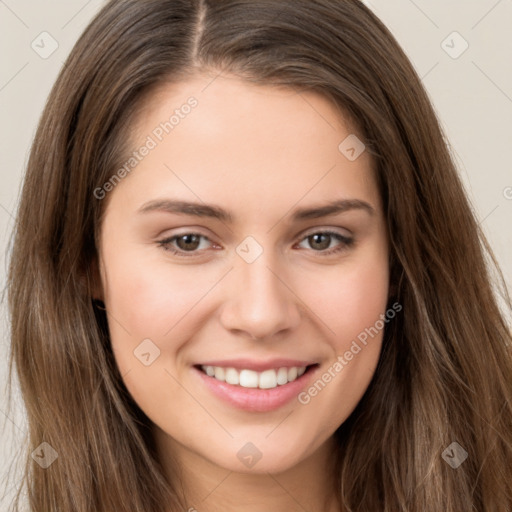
472,95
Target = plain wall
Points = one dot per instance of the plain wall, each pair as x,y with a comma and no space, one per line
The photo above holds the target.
472,95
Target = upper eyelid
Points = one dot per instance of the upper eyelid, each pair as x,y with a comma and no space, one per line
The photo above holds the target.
313,231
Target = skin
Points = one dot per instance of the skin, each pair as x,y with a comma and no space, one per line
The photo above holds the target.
259,152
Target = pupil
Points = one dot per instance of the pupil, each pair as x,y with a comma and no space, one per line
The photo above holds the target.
191,242
323,245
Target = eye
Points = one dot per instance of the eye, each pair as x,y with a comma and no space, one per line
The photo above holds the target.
184,243
189,244
320,241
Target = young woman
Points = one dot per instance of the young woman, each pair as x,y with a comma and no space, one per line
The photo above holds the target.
245,275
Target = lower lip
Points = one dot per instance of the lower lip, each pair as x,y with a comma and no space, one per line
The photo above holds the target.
255,399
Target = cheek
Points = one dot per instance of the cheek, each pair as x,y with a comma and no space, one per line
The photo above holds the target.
351,298
150,299
151,315
351,304
156,301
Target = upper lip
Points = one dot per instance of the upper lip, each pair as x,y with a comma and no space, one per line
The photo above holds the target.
257,366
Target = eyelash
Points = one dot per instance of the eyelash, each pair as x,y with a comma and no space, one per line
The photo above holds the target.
346,242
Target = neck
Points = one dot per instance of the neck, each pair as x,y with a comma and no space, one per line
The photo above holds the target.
206,487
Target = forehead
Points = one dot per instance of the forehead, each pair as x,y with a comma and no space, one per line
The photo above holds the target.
244,144
226,101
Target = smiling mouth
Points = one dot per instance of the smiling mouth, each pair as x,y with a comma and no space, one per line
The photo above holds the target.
267,379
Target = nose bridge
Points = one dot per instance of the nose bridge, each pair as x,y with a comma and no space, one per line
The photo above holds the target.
261,304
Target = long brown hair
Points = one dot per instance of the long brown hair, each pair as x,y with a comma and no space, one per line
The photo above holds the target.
445,371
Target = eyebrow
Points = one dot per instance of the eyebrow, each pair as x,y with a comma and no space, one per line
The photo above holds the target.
216,212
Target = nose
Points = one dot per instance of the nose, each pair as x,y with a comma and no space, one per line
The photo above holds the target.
261,303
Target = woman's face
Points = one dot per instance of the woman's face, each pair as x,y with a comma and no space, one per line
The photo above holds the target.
246,242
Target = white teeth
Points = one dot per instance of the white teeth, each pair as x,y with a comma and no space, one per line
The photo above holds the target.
282,376
232,376
267,379
248,379
292,373
220,374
